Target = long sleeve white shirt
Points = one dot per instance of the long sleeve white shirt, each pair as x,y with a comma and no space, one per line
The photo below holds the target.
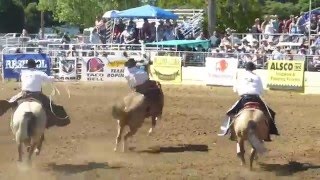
248,83
31,80
135,76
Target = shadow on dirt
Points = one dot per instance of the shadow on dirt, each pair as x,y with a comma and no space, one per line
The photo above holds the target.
288,169
177,149
78,168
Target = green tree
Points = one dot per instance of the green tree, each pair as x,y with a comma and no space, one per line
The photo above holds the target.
237,14
304,4
4,4
32,18
171,4
283,10
82,12
11,17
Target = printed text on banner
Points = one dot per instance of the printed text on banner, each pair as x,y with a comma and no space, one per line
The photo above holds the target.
14,63
67,68
167,68
221,71
285,74
109,68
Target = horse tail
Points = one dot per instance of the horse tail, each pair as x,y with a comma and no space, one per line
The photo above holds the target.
31,122
253,139
117,112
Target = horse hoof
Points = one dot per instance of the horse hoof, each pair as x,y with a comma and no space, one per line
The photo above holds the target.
115,149
37,151
150,131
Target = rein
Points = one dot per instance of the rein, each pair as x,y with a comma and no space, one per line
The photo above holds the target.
54,89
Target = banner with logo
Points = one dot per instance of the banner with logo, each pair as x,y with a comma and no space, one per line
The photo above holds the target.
283,74
109,68
67,68
167,68
221,71
115,68
14,63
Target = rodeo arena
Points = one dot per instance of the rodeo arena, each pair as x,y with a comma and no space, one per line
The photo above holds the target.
94,124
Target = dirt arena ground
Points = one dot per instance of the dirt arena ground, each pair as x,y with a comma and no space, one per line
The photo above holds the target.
189,146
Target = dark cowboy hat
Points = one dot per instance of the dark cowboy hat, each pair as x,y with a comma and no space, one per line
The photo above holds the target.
130,63
250,66
32,63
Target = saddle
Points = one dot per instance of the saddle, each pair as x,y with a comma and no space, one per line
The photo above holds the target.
153,95
252,105
28,99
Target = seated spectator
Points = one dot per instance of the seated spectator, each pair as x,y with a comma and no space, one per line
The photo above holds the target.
94,37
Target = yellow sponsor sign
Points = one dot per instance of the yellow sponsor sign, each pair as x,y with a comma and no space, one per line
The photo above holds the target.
286,74
167,68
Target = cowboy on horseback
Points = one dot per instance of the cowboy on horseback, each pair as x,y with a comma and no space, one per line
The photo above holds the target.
31,87
138,80
249,88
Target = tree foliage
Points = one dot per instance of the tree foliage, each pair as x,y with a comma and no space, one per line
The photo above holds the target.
82,12
11,17
237,14
32,18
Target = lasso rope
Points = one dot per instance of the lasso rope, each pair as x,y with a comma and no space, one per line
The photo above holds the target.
53,93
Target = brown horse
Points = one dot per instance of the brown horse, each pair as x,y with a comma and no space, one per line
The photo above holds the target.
133,109
251,124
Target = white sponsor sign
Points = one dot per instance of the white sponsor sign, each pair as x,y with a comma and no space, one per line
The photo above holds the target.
68,68
221,71
109,68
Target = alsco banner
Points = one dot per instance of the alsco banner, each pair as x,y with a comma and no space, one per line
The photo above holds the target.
285,74
167,68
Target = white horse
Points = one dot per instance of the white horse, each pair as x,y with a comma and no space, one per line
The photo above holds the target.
28,125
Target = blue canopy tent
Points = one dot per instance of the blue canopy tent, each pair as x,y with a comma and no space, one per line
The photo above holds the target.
313,12
146,11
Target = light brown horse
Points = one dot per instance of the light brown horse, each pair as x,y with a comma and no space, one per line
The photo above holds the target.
250,124
132,110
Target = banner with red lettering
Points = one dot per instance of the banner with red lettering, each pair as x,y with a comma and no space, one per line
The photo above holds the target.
221,71
109,68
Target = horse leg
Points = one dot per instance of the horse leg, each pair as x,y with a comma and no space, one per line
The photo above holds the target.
118,139
154,122
32,147
241,151
129,134
39,146
20,152
252,157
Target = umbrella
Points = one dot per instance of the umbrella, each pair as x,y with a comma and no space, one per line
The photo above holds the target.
110,14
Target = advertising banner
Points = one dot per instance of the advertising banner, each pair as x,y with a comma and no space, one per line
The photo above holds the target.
283,74
14,63
167,69
103,68
67,68
221,71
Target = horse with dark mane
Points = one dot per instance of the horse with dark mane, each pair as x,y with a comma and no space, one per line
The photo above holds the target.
134,108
